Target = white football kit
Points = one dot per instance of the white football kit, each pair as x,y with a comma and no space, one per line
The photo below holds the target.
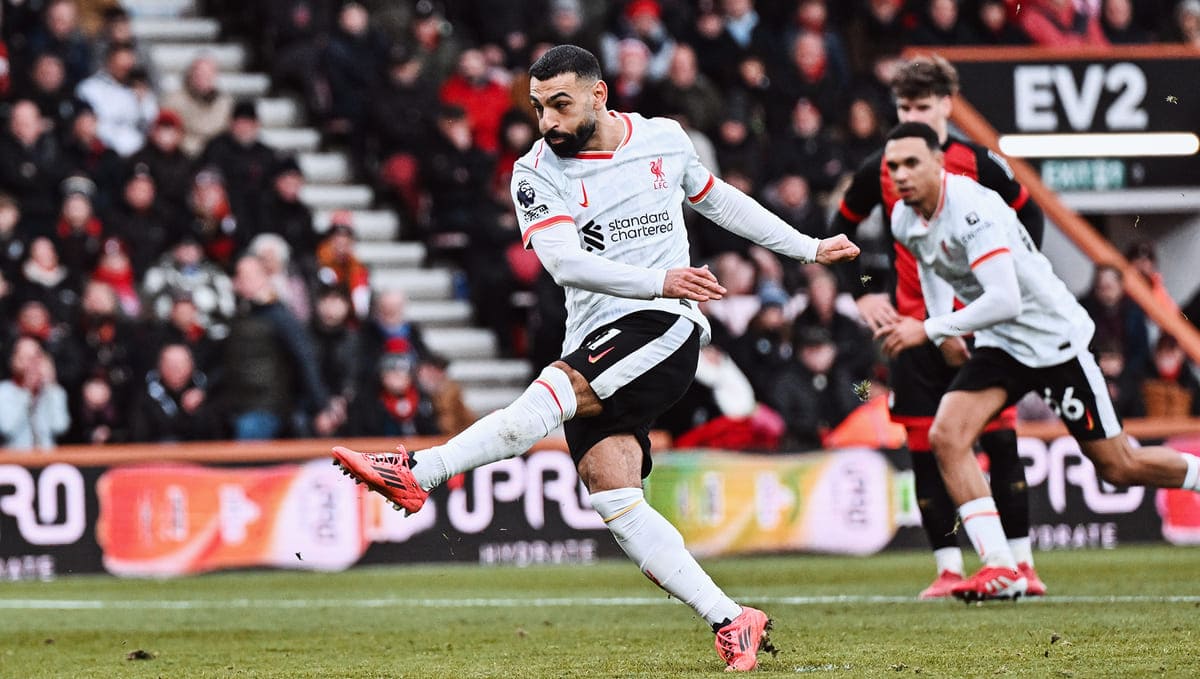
625,207
971,225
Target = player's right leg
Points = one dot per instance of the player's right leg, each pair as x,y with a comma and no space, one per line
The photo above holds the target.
961,418
611,470
557,395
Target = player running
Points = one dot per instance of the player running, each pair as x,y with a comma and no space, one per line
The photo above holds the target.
1030,335
599,199
924,88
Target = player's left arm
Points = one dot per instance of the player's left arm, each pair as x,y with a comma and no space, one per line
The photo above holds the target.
738,213
995,174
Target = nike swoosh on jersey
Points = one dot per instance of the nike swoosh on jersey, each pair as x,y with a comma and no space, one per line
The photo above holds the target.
585,198
597,357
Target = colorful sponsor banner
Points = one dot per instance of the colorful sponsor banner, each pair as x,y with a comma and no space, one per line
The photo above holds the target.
723,503
166,520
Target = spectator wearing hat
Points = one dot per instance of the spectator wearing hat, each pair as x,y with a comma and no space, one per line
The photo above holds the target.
396,406
282,212
245,163
401,128
205,110
813,393
337,265
270,385
641,20
173,403
124,105
184,270
388,330
140,221
765,349
30,167
79,233
213,222
84,153
336,339
432,39
170,167
59,34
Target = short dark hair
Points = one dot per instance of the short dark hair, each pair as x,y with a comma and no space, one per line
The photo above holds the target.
918,130
566,59
925,76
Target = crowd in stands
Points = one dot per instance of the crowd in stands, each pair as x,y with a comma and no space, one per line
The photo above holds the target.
161,280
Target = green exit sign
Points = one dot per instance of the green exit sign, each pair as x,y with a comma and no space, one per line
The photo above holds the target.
1084,174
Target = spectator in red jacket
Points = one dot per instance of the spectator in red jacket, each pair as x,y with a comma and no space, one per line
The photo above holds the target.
484,101
1060,23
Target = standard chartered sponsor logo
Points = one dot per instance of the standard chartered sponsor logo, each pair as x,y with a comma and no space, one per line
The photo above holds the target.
641,226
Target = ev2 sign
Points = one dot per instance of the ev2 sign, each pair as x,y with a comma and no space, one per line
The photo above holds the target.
1041,91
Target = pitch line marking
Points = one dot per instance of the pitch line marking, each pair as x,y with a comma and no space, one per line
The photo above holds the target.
202,604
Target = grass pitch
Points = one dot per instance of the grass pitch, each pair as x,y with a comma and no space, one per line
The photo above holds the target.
1129,612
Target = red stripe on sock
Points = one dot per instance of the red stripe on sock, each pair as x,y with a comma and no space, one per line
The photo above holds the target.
553,395
977,515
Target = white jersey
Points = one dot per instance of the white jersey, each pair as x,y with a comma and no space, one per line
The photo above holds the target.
972,224
627,206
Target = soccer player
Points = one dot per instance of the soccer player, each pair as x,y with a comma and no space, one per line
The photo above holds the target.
924,88
1030,335
599,199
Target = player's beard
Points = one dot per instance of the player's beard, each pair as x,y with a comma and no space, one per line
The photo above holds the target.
572,142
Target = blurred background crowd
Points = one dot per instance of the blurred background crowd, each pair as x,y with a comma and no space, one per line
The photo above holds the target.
162,279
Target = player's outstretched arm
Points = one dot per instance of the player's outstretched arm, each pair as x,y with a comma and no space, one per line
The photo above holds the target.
738,213
570,265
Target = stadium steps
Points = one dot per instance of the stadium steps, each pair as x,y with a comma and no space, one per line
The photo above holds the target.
369,225
290,140
175,29
242,86
279,112
336,196
395,255
175,35
436,284
164,9
324,168
174,57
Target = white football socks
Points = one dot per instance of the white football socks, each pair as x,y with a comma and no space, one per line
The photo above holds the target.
508,432
657,548
948,559
1192,480
1022,550
982,523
